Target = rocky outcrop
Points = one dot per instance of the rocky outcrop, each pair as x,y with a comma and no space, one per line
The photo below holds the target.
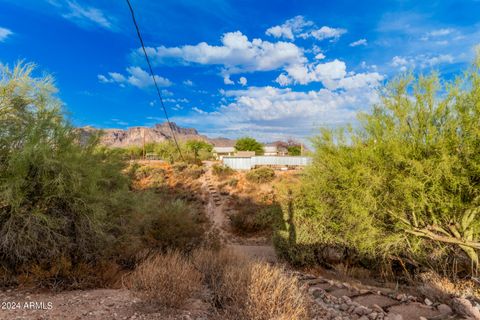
134,136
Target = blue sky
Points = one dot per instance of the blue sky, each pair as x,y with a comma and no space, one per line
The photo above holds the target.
268,69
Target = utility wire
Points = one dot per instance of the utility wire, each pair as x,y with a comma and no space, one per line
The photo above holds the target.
153,77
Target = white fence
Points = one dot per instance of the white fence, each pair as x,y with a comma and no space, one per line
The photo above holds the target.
246,163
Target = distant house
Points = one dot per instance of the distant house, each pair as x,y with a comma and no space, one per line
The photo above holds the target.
220,152
270,150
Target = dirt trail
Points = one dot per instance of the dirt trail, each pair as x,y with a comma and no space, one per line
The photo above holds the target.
220,222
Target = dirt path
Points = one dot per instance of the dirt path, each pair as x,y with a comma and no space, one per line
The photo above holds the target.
220,222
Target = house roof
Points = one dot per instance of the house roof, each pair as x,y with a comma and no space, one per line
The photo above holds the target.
223,149
270,148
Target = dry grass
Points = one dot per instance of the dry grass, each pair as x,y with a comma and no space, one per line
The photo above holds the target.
441,288
243,289
223,272
167,280
274,295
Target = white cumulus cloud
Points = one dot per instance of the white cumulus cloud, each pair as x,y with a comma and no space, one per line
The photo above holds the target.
290,28
136,76
324,33
236,54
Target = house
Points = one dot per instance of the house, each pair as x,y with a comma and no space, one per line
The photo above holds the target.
246,154
220,152
270,150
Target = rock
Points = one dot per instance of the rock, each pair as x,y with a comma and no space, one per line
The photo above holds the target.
344,307
373,315
401,297
363,318
422,318
377,308
318,293
393,316
361,310
465,308
428,302
444,309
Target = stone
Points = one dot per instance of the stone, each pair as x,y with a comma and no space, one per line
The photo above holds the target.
401,297
444,309
318,293
361,310
465,308
428,302
377,308
344,307
373,315
393,316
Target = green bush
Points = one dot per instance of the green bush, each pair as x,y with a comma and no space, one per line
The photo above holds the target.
261,175
194,171
56,195
254,217
404,185
222,171
65,204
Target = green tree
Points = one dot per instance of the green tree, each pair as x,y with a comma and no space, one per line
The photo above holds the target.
404,185
249,144
196,146
294,150
168,150
57,196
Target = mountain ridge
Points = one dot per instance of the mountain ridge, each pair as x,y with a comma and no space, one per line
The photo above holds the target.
134,136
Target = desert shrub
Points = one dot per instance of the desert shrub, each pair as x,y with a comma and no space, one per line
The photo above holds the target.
61,274
155,176
274,295
404,185
56,195
244,289
225,273
168,151
252,217
179,166
170,224
65,204
167,280
232,182
193,171
222,171
261,175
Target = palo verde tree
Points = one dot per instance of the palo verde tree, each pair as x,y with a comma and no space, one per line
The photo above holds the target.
197,146
249,144
404,185
56,194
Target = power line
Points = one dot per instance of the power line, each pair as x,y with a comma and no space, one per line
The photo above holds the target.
154,79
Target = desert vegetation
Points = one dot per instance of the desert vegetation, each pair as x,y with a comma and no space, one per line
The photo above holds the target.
68,208
399,193
261,175
191,151
249,144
